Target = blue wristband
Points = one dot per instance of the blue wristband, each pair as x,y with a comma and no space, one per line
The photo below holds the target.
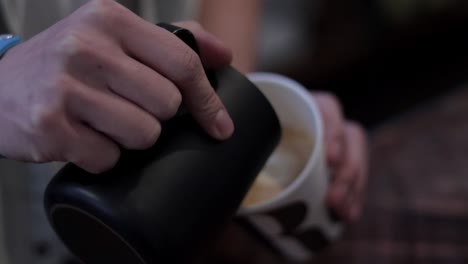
8,41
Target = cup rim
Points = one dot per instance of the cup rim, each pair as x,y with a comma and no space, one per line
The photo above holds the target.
309,101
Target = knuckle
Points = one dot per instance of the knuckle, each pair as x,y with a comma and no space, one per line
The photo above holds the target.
191,68
71,46
105,12
97,9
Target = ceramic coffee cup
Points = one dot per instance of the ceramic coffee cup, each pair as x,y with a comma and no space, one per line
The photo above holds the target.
296,221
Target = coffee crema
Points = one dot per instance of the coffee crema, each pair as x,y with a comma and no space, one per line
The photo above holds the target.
282,168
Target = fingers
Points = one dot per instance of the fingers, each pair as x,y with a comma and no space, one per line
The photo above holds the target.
165,53
115,117
359,149
348,185
346,148
104,68
144,87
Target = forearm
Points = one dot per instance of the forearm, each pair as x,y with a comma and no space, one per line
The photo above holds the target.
236,22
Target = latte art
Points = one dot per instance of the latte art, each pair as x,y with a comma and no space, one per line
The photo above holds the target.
282,168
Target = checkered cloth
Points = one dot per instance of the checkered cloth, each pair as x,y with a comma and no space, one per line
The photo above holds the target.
417,203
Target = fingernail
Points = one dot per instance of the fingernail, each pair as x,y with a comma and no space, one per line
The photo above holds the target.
224,125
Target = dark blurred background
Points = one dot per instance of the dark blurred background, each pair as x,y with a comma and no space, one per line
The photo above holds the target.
381,57
400,67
